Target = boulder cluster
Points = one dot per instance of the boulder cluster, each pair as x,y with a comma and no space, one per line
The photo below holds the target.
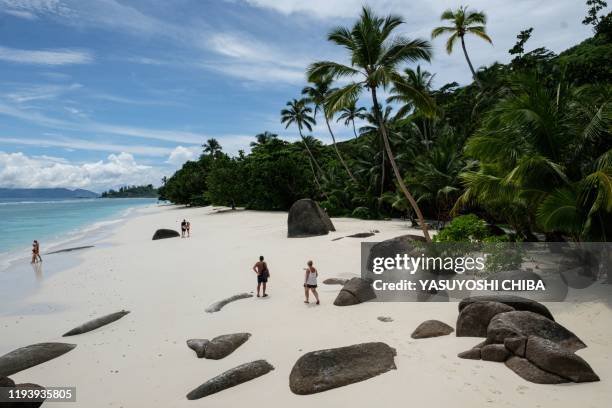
522,334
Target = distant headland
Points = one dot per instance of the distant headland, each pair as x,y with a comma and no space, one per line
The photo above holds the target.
52,193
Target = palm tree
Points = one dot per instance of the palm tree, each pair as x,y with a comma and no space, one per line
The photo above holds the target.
212,147
263,138
350,113
375,56
316,94
299,113
417,79
463,22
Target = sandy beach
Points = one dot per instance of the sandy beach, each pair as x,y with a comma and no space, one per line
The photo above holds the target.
142,360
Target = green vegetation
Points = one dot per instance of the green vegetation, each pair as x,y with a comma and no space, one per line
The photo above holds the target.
527,145
131,192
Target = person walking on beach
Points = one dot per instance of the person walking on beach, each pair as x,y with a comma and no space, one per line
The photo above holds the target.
36,252
263,274
310,282
183,228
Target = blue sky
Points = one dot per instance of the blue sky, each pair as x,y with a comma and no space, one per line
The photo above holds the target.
100,93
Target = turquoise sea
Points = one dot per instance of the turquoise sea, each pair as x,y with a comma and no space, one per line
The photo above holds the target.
53,221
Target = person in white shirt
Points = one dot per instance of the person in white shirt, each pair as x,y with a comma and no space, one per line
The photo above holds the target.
310,282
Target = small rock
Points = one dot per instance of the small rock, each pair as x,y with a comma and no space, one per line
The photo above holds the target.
431,328
355,291
385,319
335,281
165,233
30,356
219,347
471,354
96,323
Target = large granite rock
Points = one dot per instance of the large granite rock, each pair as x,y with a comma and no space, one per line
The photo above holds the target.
494,352
391,247
6,382
219,347
355,291
30,356
323,370
231,378
516,345
431,328
165,233
533,373
555,359
517,302
474,318
525,324
96,323
306,219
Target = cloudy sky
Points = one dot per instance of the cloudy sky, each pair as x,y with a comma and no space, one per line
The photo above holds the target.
100,93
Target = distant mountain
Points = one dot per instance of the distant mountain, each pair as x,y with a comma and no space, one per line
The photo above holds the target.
52,193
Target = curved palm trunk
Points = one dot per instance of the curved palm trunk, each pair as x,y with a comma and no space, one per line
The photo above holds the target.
348,171
382,173
316,180
354,130
398,175
310,152
469,63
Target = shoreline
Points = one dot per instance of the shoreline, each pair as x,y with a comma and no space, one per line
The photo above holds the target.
142,360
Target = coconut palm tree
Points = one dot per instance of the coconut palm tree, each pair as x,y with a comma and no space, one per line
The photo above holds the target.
350,113
463,21
300,114
263,138
316,94
375,56
212,147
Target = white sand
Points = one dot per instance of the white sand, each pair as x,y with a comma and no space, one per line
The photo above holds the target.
142,360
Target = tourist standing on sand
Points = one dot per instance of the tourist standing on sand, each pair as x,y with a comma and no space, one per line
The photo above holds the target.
188,226
183,228
36,252
310,282
263,274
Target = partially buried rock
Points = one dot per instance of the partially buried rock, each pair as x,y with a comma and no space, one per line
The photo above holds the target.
323,370
217,306
471,354
516,302
355,291
30,356
6,382
525,324
165,233
474,319
219,347
385,319
361,235
533,373
306,219
231,378
96,323
335,281
551,357
431,328
494,352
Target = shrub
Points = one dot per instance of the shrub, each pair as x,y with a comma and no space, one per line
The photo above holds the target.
464,228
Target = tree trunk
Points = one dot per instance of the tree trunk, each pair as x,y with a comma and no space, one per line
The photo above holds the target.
398,175
316,180
382,173
348,171
354,130
310,152
467,58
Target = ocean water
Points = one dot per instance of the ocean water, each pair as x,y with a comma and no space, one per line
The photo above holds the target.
52,222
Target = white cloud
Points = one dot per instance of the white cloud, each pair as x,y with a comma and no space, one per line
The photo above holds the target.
39,92
32,9
20,170
46,57
181,154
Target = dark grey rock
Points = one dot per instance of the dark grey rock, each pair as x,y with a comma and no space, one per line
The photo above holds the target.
391,247
323,370
431,328
361,235
231,378
516,345
525,324
517,302
30,356
306,219
215,307
165,233
59,251
219,347
32,404
335,281
494,352
6,382
555,359
385,319
471,354
531,372
474,318
355,291
95,323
